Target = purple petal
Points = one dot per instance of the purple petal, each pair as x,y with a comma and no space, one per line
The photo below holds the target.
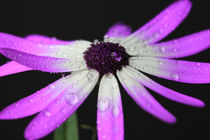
59,110
31,47
176,70
165,22
181,47
110,123
185,46
43,63
47,40
35,102
119,30
143,98
168,93
12,68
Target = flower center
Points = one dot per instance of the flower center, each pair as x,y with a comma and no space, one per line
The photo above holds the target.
106,57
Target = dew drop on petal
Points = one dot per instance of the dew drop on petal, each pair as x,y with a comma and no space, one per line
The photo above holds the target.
104,136
162,49
31,100
198,64
103,104
52,87
116,111
95,41
71,99
16,104
63,110
47,113
109,75
174,77
90,76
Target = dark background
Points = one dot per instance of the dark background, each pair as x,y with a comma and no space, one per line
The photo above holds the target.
70,20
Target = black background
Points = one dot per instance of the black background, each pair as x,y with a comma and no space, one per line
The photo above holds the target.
70,20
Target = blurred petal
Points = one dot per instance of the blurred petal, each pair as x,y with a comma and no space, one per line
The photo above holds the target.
59,110
47,40
12,68
181,47
163,24
59,51
119,30
37,101
110,123
43,63
176,70
143,98
168,93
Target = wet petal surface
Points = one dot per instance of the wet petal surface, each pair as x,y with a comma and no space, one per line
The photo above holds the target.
166,92
176,70
35,102
65,105
43,63
181,47
47,40
110,125
26,46
163,24
143,98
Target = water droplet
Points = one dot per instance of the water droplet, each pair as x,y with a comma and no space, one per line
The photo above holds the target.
90,75
109,75
63,110
71,99
52,87
116,111
104,136
95,41
160,62
58,101
103,104
106,38
47,113
198,64
162,49
174,77
16,104
31,100
116,57
148,105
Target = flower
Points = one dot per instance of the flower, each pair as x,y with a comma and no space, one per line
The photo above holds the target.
122,54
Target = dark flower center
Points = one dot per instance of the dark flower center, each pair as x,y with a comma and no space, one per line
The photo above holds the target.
106,57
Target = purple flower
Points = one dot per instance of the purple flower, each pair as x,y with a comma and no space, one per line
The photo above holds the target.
122,54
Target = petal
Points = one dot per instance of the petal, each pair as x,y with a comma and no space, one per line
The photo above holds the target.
47,40
185,46
37,101
181,47
176,70
168,93
12,68
119,30
44,63
110,123
164,23
143,98
59,110
59,51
